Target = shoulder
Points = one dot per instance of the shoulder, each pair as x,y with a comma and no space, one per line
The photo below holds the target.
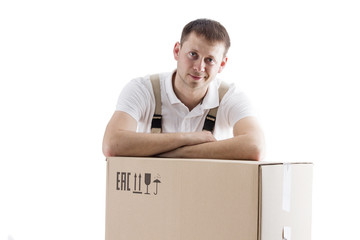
135,93
232,92
235,104
139,83
145,82
141,89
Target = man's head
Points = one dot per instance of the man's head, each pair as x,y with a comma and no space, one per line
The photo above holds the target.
200,55
211,30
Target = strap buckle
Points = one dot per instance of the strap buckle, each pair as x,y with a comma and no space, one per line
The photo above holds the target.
156,123
209,123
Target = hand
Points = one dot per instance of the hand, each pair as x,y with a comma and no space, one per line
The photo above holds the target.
194,138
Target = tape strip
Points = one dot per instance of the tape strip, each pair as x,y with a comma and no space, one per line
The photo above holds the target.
286,233
286,198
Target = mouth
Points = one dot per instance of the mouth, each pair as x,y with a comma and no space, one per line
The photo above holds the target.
197,77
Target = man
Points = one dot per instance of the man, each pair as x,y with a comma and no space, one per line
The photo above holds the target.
187,95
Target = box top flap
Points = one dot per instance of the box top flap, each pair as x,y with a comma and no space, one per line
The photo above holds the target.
248,162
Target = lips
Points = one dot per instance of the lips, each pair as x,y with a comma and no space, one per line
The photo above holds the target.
196,77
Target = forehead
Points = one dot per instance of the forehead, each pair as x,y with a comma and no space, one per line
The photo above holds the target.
202,45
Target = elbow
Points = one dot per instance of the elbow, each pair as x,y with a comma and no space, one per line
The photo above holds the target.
257,152
107,150
256,149
114,146
253,152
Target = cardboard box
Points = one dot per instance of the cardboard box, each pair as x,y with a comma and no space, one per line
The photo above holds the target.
173,199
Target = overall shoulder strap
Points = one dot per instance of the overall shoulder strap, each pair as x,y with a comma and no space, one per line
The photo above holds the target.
156,123
209,123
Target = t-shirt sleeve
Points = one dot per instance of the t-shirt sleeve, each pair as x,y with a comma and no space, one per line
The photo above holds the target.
135,99
236,105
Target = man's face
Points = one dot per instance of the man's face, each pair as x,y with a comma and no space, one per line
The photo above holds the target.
198,61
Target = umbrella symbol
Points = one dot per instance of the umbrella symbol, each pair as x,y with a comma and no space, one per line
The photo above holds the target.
157,181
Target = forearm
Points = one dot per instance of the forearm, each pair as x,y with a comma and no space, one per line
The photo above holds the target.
129,143
241,147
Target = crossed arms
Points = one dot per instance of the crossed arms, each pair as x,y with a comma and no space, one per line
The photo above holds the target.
121,139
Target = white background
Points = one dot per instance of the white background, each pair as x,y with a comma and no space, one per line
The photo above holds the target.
63,64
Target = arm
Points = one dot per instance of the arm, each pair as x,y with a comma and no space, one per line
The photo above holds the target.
247,144
121,139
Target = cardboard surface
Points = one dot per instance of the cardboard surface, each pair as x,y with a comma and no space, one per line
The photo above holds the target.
295,216
154,198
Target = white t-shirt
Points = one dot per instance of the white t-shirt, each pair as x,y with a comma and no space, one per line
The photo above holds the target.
137,99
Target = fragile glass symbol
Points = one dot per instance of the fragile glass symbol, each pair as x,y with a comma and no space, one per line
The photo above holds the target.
147,182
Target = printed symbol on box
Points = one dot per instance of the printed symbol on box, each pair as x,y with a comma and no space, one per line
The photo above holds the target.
147,182
123,179
135,178
156,181
123,182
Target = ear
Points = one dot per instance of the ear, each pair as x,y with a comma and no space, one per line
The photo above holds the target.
222,64
176,51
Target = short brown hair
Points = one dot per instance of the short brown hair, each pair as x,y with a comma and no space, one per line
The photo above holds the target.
211,30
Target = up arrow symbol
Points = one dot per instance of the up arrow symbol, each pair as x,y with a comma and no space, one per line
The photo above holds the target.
135,178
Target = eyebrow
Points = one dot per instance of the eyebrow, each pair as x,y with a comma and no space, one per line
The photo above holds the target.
211,56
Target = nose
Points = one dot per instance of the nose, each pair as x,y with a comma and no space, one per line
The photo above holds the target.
199,65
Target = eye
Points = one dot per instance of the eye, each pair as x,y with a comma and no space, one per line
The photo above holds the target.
193,54
210,61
